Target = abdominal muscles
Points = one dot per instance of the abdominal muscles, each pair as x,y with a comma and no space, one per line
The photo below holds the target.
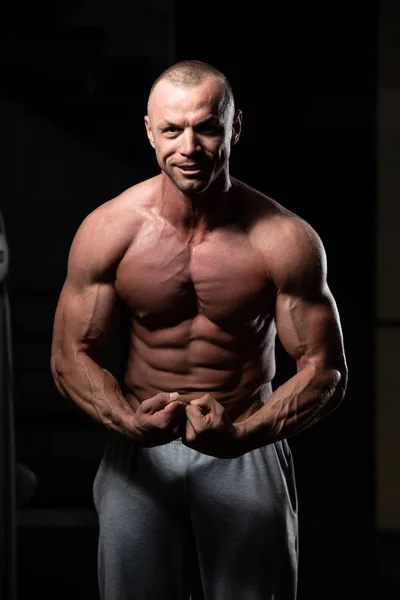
196,357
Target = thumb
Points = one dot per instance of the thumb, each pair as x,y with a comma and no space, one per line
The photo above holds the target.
174,406
158,402
203,400
194,415
203,404
190,432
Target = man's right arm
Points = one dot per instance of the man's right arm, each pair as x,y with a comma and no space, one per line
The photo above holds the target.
86,312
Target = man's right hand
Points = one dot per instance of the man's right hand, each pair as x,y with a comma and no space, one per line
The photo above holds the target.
160,419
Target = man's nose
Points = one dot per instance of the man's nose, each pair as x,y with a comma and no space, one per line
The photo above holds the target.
190,142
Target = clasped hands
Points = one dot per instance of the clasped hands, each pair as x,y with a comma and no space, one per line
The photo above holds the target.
202,423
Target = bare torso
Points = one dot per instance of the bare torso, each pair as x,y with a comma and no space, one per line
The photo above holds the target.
199,311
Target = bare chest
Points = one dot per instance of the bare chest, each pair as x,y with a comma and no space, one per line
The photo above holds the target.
223,278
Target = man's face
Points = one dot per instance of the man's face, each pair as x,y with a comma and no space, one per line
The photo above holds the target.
192,132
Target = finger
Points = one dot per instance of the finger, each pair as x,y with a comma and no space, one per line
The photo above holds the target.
205,400
158,402
173,396
190,433
203,409
195,418
207,404
174,406
168,418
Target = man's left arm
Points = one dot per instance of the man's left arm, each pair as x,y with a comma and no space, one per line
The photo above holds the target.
309,328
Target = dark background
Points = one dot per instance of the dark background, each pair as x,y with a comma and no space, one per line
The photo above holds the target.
305,78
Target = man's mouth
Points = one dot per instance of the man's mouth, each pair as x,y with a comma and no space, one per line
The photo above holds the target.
189,167
190,170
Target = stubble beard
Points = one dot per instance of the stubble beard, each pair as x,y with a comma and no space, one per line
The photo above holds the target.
187,186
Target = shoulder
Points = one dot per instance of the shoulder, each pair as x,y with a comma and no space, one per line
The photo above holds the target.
106,232
123,212
291,247
295,254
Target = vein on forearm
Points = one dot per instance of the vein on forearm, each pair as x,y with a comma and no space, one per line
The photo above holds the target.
93,388
298,400
295,405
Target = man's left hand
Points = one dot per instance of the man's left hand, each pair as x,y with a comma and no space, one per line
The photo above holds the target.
209,429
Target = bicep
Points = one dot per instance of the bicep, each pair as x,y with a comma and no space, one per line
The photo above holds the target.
309,329
307,319
85,316
88,305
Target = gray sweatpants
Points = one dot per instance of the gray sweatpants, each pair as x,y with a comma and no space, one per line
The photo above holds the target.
175,524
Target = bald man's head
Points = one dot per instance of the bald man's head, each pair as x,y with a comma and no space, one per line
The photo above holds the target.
191,73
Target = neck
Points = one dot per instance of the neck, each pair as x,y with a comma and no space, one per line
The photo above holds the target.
199,212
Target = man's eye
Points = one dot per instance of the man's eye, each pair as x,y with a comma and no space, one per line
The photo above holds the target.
170,130
209,130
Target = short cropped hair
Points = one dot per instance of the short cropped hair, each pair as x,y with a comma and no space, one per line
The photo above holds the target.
188,73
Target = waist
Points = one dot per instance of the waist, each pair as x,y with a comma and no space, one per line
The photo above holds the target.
239,404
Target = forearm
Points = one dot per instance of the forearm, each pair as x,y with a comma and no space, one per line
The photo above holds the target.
296,405
94,390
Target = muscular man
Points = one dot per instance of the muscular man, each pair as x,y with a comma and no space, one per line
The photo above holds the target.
196,491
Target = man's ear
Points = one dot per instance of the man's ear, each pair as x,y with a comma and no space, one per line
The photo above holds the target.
148,130
236,126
